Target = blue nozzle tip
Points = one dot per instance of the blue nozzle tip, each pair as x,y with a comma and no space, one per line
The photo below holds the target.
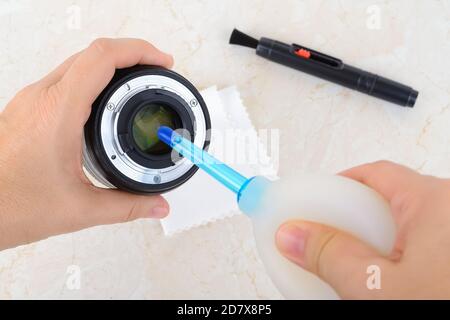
230,178
165,135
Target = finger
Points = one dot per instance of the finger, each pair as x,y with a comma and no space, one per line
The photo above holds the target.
385,177
402,187
94,68
106,206
57,74
335,256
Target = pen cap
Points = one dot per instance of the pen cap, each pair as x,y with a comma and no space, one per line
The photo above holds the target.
387,89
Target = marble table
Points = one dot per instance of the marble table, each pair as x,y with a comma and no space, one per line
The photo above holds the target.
324,127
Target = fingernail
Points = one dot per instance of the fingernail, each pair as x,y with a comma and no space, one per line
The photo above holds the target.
291,241
159,212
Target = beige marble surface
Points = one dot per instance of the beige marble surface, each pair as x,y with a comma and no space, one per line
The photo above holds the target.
324,127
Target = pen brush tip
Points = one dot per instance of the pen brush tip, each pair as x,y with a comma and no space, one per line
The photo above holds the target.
240,38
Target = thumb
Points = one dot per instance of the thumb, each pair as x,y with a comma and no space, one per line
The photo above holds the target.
335,256
107,206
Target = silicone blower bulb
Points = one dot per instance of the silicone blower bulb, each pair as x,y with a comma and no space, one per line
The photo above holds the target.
333,200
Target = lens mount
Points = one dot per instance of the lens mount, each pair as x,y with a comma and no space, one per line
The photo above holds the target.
111,153
128,113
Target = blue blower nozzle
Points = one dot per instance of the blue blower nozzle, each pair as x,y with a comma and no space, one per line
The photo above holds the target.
227,176
165,135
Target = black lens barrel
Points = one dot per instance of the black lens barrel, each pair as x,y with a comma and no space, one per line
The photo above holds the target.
102,166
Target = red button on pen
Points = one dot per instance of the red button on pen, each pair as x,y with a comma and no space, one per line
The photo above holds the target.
303,53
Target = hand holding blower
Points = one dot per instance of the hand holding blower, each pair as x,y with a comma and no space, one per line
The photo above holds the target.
333,200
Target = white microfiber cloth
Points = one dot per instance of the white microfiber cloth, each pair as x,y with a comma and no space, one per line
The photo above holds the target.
202,200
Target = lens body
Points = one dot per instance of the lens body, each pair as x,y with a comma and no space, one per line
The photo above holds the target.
121,146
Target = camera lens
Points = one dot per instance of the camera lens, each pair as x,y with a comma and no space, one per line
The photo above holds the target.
121,146
145,127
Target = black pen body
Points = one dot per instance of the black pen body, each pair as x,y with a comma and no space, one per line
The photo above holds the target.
334,70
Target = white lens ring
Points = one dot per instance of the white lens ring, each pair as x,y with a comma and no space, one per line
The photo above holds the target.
109,134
